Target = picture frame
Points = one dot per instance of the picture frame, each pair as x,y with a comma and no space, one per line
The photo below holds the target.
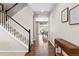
64,15
74,15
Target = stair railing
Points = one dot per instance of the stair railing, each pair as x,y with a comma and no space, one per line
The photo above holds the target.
13,27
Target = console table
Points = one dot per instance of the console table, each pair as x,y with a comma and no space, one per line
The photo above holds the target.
68,47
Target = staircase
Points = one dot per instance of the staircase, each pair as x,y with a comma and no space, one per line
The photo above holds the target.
15,29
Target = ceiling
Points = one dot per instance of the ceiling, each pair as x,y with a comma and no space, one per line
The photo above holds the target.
41,8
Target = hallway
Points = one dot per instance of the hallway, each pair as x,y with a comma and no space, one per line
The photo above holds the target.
41,47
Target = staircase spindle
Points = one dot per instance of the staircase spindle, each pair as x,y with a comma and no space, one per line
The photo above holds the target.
8,24
1,18
4,21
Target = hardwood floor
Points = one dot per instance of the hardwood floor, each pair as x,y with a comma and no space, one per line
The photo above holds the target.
41,47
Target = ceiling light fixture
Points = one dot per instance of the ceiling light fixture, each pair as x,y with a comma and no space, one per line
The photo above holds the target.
42,10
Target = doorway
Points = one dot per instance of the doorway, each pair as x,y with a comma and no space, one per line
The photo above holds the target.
42,30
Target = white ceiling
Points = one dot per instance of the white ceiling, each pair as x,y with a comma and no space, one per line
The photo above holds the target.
41,6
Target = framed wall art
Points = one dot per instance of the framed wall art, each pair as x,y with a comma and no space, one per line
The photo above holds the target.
64,15
74,15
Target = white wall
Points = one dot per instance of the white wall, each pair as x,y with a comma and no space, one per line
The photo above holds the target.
57,29
25,18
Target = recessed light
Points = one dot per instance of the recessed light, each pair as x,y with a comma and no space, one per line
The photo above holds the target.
42,10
